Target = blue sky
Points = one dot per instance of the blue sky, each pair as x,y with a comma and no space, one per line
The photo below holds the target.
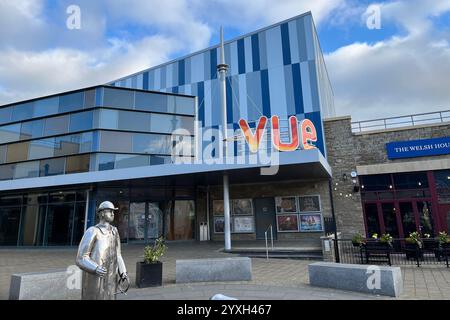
401,68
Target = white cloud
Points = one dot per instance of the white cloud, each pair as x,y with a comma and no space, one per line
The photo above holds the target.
398,76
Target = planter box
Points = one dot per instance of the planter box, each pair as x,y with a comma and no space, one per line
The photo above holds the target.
148,274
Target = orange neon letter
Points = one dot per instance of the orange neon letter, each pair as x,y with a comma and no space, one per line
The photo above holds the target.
253,140
309,134
293,132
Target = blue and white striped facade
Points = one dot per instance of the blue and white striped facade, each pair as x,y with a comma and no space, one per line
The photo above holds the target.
278,70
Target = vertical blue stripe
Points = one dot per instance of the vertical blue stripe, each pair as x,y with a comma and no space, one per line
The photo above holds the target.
285,44
201,102
145,81
213,63
181,79
229,100
255,52
298,91
241,56
175,90
265,95
316,119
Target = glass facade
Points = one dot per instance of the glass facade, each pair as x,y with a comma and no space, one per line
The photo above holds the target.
76,129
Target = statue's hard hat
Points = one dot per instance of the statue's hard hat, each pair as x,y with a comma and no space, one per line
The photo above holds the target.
106,205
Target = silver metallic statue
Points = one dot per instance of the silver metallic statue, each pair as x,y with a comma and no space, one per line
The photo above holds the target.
100,258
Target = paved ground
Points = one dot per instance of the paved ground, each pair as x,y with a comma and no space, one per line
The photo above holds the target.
272,279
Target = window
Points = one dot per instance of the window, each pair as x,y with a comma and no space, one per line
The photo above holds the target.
88,142
10,133
163,123
135,121
81,121
117,98
376,182
26,170
44,148
17,152
3,154
129,161
67,145
77,164
185,105
105,161
31,129
5,115
151,143
108,119
116,141
56,125
151,102
71,102
372,221
51,167
6,172
155,160
46,107
413,180
22,111
89,99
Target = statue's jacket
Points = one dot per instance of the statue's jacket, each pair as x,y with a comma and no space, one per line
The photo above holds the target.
100,246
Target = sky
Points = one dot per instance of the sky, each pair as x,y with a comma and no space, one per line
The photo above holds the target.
384,58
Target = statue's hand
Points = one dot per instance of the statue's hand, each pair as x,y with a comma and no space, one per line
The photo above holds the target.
124,276
100,271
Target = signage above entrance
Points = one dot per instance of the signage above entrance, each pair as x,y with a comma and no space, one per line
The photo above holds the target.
304,139
418,148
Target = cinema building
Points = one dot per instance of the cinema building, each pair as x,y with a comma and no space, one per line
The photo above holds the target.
151,143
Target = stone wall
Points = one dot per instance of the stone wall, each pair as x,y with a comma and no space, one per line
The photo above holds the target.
347,150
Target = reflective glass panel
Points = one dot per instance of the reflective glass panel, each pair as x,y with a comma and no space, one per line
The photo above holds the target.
151,102
81,121
116,141
390,220
135,121
9,225
77,164
151,143
414,180
6,172
408,218
17,152
129,161
118,98
373,224
5,114
108,119
185,105
31,129
51,167
89,99
105,161
10,133
59,224
71,102
26,170
67,145
46,107
56,125
2,154
426,217
163,123
23,111
43,148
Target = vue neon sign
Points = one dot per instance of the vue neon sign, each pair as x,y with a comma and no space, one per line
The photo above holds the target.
303,138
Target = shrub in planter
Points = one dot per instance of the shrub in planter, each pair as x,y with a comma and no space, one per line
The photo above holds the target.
149,271
358,240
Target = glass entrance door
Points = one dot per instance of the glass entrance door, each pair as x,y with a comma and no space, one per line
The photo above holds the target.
145,221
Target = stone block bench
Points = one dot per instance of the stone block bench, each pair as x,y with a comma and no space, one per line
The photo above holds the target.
53,285
381,280
217,269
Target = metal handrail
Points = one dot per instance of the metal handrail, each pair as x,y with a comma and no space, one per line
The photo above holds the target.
408,120
271,239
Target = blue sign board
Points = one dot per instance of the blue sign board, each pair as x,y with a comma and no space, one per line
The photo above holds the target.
418,148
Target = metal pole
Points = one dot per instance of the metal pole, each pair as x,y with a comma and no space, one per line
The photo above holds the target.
336,247
271,235
222,70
